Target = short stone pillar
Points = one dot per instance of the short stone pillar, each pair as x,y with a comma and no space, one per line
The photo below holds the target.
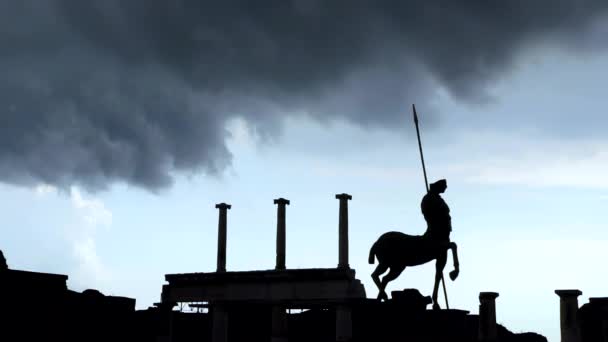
487,316
219,328
344,323
221,236
281,203
568,309
279,324
343,230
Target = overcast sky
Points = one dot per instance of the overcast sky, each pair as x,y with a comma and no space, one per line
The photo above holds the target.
123,123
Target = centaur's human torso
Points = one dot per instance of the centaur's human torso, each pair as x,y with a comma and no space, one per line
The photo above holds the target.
437,215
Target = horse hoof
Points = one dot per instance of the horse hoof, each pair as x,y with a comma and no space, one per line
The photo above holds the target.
436,306
454,275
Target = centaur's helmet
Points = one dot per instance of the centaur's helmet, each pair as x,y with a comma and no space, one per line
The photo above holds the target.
439,186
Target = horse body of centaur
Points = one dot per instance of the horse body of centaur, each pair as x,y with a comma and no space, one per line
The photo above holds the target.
395,251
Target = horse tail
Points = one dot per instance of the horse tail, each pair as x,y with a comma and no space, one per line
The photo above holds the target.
372,253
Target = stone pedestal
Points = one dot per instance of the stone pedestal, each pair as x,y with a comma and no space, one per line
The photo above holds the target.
344,323
343,230
569,326
221,236
487,316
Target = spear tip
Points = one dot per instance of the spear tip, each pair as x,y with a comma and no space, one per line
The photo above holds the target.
415,115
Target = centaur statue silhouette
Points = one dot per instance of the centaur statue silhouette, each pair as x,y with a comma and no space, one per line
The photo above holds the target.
396,250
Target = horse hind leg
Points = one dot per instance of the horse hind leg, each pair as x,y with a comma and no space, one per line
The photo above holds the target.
394,272
439,265
381,268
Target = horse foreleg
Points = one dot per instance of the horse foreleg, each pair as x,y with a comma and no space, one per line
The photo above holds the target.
381,268
439,265
454,273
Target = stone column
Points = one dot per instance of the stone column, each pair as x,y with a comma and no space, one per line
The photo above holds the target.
279,324
568,308
343,230
221,237
281,203
344,323
487,316
219,329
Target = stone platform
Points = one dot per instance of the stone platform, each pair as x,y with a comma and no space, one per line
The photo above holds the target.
293,286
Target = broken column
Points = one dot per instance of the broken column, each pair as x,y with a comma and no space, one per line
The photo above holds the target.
281,203
343,230
487,316
221,237
568,309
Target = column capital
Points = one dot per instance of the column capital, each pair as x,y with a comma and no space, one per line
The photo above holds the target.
223,206
344,196
568,293
281,201
485,296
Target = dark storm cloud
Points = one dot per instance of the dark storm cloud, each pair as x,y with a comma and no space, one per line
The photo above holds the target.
96,92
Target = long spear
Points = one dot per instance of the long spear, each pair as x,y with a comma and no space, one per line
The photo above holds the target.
426,183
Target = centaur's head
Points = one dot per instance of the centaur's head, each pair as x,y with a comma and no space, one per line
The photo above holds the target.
439,186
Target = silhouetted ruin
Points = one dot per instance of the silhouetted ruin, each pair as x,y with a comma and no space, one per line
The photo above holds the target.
282,304
593,320
39,307
3,264
589,323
